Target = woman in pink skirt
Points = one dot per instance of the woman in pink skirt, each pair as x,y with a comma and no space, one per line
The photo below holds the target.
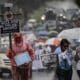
19,46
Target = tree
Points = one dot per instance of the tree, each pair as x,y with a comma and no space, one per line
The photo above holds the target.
77,2
28,6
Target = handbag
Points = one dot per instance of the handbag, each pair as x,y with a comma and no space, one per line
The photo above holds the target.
22,58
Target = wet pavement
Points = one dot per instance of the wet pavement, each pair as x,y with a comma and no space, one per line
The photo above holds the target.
49,75
43,75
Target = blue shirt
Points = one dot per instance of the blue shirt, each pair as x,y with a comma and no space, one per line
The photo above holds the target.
57,51
63,62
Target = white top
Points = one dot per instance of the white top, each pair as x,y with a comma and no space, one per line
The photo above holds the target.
37,63
78,65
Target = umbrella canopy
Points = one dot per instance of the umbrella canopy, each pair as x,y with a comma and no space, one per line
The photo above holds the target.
53,41
52,33
40,40
43,33
70,33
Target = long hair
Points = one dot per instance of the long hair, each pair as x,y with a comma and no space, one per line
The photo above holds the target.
63,42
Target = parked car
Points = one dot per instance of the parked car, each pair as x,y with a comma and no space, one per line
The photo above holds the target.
5,67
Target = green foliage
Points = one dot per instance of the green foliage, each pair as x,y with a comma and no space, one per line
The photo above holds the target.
38,13
77,2
29,6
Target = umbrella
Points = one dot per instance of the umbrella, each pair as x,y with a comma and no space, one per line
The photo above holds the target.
70,33
53,41
52,33
42,33
40,40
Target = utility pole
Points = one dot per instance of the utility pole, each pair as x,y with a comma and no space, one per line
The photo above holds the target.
9,24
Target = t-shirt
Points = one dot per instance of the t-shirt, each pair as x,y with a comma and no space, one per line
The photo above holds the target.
57,51
64,63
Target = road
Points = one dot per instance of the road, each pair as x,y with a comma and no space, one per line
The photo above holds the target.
49,75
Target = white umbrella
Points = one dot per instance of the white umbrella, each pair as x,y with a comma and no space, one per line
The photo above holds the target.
70,33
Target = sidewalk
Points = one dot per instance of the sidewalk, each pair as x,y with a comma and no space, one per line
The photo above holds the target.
75,76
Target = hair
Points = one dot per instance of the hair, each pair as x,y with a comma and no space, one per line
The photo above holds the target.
64,41
18,35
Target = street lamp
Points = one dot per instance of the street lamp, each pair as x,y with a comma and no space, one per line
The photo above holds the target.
43,18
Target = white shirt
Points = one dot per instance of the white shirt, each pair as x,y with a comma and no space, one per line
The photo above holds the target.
78,65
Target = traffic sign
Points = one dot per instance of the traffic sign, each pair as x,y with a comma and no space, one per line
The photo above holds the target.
10,27
8,15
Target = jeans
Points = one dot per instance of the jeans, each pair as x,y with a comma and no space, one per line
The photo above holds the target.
64,74
78,72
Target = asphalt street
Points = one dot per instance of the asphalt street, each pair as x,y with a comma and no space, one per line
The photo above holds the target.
44,75
47,75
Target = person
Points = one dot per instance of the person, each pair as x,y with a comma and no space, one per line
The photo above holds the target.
37,64
47,48
64,57
77,59
76,20
18,46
